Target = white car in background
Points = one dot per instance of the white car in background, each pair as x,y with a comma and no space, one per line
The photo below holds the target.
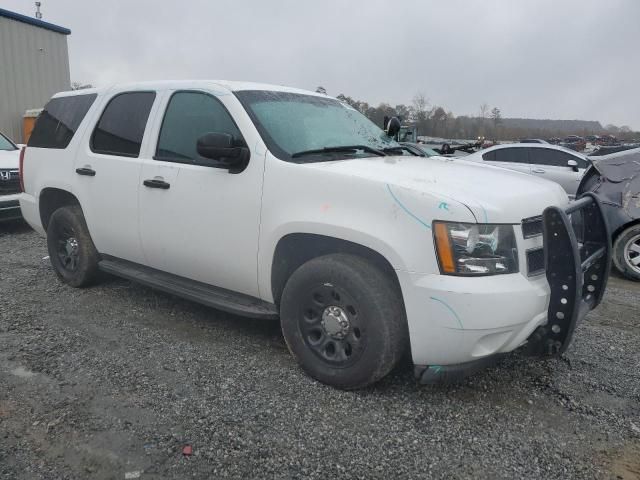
9,179
554,163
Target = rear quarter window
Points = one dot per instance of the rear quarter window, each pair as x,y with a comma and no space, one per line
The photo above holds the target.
58,122
512,155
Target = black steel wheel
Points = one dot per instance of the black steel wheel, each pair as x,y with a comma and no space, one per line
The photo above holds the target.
71,250
331,327
343,320
67,251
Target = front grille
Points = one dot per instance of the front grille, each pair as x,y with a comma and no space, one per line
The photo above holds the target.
9,182
535,261
532,227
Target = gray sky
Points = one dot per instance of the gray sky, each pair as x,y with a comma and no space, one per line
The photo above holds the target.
570,59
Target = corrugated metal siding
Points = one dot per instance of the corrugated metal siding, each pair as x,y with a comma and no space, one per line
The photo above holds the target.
34,64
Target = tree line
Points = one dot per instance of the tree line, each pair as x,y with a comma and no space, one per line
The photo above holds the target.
489,122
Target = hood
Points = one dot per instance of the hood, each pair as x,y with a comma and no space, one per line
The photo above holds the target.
9,159
493,194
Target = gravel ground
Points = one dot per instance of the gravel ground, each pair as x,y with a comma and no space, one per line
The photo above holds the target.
114,381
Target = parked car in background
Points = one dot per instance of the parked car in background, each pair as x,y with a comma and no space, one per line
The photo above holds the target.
420,149
574,142
533,140
275,202
608,140
9,179
616,179
552,162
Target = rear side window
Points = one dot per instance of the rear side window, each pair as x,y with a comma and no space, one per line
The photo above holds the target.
554,158
511,155
59,121
121,126
190,115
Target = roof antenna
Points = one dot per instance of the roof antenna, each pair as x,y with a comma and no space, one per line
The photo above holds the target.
38,14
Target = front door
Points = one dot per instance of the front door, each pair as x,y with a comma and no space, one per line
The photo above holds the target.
199,221
553,165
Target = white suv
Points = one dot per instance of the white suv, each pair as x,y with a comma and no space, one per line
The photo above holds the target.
9,180
275,202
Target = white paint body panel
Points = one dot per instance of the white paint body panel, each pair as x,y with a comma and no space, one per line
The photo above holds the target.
223,229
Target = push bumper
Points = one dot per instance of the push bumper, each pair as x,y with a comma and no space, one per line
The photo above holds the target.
544,314
577,270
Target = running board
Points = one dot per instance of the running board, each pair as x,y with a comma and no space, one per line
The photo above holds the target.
202,293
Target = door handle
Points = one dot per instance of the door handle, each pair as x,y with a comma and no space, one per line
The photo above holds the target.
89,172
155,183
538,170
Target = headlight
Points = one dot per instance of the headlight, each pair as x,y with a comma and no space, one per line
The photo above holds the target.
475,249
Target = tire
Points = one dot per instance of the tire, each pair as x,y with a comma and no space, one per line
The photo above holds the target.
626,251
72,253
343,320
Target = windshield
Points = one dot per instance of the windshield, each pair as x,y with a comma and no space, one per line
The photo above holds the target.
293,125
6,144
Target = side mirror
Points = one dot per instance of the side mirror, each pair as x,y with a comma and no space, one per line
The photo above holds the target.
393,126
224,149
574,165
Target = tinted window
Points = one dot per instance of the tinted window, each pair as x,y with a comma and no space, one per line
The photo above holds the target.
59,121
491,156
121,126
511,155
190,115
554,158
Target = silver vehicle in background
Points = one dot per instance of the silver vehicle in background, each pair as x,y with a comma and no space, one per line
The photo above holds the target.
552,162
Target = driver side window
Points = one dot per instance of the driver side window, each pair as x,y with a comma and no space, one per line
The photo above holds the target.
188,116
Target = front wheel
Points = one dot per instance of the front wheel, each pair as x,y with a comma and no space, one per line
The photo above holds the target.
343,320
626,252
71,250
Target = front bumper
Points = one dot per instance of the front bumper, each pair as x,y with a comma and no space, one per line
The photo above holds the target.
577,271
456,324
9,207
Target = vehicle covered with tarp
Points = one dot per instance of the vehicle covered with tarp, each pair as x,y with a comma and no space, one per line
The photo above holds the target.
615,179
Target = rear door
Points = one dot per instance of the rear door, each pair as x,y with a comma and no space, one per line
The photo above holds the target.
553,165
513,158
107,170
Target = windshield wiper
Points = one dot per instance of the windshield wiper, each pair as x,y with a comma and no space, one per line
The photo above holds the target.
340,148
402,148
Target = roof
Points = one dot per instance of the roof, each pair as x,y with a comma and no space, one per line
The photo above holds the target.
548,146
34,21
219,87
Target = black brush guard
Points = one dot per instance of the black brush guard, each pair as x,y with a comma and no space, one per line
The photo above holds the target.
577,271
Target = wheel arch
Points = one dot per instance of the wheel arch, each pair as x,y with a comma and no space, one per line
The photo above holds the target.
295,249
624,227
51,199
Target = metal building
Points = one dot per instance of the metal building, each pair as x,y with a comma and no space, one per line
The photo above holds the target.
34,64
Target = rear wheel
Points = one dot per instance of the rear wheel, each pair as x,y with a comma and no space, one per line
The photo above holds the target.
71,250
343,320
626,252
